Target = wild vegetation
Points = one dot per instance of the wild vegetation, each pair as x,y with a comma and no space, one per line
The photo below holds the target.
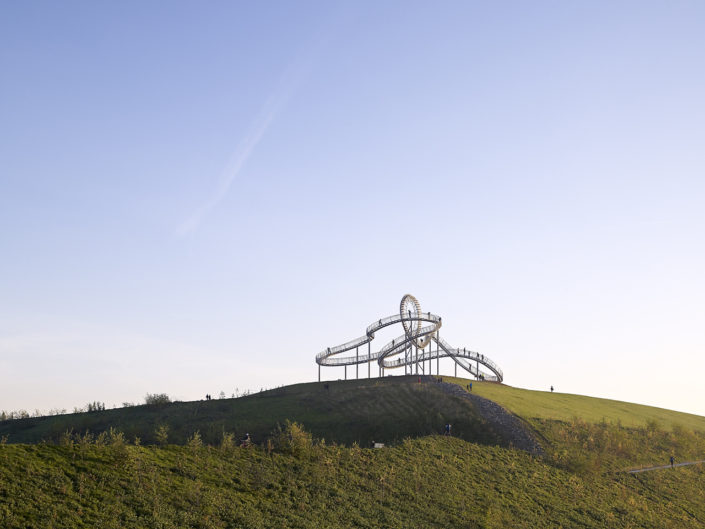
350,411
295,478
586,434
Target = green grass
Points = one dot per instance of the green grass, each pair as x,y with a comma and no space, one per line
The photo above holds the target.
383,410
426,482
530,404
291,480
590,435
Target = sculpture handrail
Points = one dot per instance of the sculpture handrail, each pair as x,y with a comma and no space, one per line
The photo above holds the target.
370,333
415,338
478,357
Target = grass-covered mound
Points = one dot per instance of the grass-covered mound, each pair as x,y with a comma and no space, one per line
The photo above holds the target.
531,404
383,410
96,476
591,435
426,482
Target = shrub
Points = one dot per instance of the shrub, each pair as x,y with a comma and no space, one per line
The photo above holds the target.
67,439
195,442
652,427
116,437
95,406
161,434
293,439
118,445
227,444
157,399
84,442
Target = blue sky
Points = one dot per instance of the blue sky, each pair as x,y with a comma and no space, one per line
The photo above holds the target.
200,197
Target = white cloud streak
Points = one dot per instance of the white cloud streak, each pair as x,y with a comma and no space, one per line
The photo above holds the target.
244,149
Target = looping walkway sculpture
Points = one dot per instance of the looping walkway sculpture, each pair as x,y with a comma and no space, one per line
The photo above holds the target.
421,329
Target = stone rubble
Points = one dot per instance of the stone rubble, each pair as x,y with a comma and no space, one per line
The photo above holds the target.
507,425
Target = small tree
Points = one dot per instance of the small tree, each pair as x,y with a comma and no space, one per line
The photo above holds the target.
67,438
116,437
95,406
195,442
161,434
228,442
293,439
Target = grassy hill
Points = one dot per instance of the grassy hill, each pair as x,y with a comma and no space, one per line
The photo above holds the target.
565,407
384,410
294,480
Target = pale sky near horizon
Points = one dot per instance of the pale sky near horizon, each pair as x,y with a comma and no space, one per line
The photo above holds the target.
197,197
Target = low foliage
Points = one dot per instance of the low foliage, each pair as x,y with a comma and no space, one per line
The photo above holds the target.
93,477
427,482
161,434
585,447
95,406
353,411
157,399
292,439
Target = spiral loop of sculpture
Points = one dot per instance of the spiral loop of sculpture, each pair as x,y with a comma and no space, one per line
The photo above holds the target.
421,330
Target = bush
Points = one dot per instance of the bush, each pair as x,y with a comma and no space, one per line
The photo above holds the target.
95,406
195,442
227,444
293,439
161,434
157,399
67,439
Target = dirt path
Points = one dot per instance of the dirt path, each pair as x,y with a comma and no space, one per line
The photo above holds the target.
647,469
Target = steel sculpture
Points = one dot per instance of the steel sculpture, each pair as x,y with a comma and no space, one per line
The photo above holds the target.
421,330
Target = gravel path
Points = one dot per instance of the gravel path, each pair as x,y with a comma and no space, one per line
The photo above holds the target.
509,426
647,469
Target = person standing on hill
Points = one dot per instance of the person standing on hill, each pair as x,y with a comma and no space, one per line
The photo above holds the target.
447,430
551,389
673,460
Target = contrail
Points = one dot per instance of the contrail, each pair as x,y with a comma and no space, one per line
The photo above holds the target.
289,82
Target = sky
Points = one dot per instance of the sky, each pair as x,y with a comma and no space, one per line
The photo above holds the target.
199,197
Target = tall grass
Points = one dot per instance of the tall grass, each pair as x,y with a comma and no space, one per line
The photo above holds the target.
300,482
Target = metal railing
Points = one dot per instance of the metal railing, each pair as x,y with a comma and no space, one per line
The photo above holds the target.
384,356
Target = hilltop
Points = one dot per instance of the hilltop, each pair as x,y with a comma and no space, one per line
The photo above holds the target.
345,412
420,479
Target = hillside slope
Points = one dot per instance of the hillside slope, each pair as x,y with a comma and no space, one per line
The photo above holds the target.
383,410
427,482
292,480
531,404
